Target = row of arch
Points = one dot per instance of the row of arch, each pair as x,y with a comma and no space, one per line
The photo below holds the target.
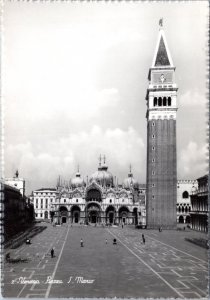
94,214
183,219
96,205
162,101
183,209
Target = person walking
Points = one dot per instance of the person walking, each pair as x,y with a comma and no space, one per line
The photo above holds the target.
52,252
143,239
81,243
106,242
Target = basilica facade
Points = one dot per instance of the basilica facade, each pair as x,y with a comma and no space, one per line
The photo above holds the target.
99,200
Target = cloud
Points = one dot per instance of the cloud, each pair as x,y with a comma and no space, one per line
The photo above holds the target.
192,98
192,162
43,165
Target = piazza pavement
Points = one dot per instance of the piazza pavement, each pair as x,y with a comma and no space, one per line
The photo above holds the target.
166,266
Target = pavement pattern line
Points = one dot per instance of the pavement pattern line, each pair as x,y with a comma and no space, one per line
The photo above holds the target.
148,266
176,249
33,271
56,266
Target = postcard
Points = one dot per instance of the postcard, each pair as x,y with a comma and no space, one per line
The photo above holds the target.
104,172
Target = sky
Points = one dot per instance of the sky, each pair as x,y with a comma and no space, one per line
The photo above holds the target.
74,81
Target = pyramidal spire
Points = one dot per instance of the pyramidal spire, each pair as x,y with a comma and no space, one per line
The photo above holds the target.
162,56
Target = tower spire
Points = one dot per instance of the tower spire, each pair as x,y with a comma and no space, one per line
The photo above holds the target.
99,165
99,160
162,56
130,171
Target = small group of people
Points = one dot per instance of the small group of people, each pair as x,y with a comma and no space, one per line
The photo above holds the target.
114,242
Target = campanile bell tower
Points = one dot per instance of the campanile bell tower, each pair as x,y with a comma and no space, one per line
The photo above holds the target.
161,139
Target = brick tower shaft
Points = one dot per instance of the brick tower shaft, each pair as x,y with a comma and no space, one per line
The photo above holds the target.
161,139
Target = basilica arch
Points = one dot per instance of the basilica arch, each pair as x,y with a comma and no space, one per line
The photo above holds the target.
123,214
110,214
75,214
93,213
93,193
63,213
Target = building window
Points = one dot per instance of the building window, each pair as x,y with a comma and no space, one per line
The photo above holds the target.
37,201
153,172
153,197
36,215
46,201
159,101
164,101
110,200
41,215
37,206
153,148
153,136
41,206
153,160
185,195
169,101
64,200
155,101
51,199
153,123
153,185
77,200
41,201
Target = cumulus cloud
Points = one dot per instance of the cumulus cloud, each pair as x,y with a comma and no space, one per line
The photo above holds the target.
43,165
192,98
192,162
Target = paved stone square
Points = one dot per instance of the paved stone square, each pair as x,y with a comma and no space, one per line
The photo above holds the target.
165,266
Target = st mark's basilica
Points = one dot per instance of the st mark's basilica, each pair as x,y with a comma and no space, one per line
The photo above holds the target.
97,200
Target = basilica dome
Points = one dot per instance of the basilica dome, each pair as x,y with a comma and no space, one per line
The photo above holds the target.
77,181
102,176
130,182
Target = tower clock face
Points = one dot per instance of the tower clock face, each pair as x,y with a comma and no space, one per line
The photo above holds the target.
162,78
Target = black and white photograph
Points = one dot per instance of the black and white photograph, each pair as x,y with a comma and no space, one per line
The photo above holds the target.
104,149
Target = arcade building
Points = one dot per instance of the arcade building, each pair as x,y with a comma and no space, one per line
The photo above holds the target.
99,200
